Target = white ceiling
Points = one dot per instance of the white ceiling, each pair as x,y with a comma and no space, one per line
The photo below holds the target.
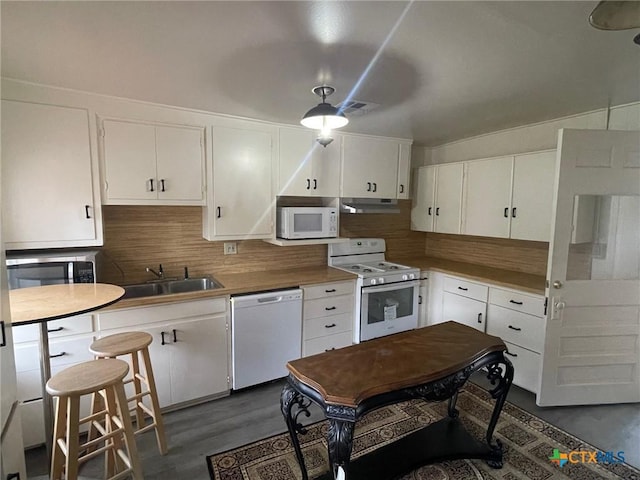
439,70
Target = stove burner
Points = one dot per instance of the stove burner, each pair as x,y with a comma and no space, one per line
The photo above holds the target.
355,267
393,267
367,270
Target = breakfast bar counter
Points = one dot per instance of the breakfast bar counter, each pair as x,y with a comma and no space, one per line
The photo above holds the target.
431,363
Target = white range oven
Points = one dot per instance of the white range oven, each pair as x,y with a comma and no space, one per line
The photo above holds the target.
387,293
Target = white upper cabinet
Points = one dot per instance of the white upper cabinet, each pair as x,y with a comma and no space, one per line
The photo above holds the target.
438,199
48,177
306,168
147,164
369,167
510,197
404,171
241,203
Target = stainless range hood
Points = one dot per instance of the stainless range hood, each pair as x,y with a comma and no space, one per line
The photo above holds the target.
369,205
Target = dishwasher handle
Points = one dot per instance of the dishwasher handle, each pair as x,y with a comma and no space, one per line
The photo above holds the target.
275,299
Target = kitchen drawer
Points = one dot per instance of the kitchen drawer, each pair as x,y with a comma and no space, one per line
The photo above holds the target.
526,365
465,288
322,307
521,302
519,328
63,351
324,344
32,423
131,317
57,328
329,290
322,326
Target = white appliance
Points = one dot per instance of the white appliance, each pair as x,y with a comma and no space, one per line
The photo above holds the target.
387,298
266,332
295,223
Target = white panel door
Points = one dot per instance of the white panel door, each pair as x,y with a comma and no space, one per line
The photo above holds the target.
487,207
180,164
326,168
424,197
531,204
592,338
464,310
295,172
448,198
370,167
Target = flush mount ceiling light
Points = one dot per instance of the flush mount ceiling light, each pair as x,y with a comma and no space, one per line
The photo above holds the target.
616,15
324,116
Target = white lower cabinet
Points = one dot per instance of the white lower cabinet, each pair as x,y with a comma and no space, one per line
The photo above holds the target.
190,348
423,300
327,313
464,302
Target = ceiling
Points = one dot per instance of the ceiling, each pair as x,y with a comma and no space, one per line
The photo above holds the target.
440,71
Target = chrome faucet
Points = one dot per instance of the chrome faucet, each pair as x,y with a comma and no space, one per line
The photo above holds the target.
159,273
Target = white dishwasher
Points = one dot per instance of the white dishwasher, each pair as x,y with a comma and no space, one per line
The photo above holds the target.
266,332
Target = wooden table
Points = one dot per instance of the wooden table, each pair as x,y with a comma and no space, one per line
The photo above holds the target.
50,302
431,363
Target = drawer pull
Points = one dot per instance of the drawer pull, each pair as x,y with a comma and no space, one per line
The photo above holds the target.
330,326
511,354
517,329
163,342
463,289
329,308
329,349
61,354
175,335
479,318
330,290
59,329
515,303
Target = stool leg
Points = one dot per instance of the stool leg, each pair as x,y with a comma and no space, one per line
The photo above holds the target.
57,456
137,386
113,462
155,404
73,437
97,405
123,406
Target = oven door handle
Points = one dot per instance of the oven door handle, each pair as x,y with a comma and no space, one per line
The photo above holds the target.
387,287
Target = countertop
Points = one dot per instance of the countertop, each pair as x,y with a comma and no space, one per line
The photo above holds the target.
249,282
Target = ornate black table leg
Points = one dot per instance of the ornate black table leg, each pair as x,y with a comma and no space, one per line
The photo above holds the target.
502,381
290,398
452,410
340,443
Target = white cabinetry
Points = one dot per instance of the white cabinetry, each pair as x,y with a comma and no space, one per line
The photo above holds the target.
48,177
438,199
305,168
240,204
404,172
147,164
510,197
465,302
190,349
519,319
423,300
327,312
369,167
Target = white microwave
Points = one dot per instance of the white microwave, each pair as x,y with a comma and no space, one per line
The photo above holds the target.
295,223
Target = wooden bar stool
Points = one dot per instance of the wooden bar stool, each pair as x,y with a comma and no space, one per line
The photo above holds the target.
68,386
135,344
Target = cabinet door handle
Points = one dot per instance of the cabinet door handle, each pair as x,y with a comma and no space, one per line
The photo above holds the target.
463,289
513,212
375,187
330,326
86,211
331,290
219,212
61,354
308,184
151,185
506,212
329,308
163,341
429,211
3,333
515,303
437,211
510,354
368,186
175,336
401,188
59,329
479,318
329,349
315,184
162,185
419,299
517,329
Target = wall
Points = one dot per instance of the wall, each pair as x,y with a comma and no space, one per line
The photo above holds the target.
136,237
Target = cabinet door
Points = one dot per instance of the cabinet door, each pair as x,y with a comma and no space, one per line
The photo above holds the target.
326,168
487,208
199,359
369,167
295,171
160,354
180,162
533,183
47,177
423,209
129,161
242,201
464,310
404,171
448,198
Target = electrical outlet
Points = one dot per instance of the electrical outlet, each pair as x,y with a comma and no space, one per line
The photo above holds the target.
230,248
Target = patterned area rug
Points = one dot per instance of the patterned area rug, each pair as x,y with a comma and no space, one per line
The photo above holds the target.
529,442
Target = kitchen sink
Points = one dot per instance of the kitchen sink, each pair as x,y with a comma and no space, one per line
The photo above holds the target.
166,287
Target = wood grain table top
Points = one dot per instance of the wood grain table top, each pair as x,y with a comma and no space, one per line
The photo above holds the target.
350,375
49,302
